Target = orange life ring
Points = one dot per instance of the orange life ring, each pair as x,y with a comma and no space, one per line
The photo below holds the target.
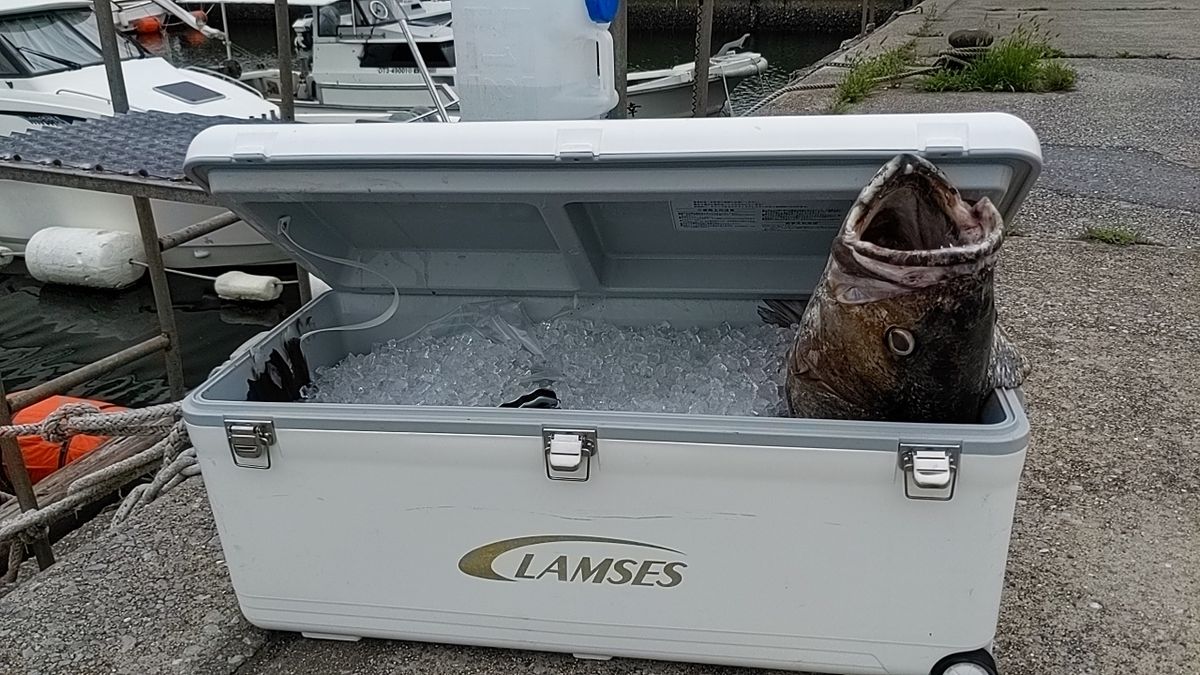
43,457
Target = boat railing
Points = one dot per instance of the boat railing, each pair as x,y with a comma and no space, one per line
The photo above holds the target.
85,94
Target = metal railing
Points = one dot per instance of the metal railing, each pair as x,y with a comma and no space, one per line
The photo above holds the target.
166,342
141,191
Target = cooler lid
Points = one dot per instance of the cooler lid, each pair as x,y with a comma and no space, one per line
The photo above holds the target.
715,207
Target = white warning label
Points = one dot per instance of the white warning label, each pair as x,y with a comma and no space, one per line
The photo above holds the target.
750,214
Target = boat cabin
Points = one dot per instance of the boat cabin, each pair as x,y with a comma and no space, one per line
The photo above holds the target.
354,55
41,38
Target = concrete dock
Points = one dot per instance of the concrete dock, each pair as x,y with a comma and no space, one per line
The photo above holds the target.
1102,576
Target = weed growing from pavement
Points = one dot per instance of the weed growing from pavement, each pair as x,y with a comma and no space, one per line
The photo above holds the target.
926,28
1021,61
864,74
1117,235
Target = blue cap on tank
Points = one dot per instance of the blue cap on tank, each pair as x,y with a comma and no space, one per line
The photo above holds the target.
602,11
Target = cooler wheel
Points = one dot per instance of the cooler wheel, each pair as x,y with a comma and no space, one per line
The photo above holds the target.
972,663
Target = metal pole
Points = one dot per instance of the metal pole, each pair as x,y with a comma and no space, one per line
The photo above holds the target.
162,295
68,381
412,47
704,18
620,36
18,475
112,57
283,43
225,30
195,231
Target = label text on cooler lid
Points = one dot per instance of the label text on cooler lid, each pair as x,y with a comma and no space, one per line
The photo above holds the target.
764,215
546,564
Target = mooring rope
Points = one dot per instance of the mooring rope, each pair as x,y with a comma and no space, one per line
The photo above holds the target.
172,451
813,86
958,55
84,418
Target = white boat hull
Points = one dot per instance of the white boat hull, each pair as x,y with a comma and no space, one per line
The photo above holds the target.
26,208
676,101
29,208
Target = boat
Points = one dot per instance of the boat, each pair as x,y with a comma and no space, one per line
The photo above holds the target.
668,92
138,15
356,66
53,72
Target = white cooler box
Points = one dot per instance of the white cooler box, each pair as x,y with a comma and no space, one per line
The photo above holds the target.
798,544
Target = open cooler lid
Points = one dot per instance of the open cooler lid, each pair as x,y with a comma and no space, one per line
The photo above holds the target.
721,207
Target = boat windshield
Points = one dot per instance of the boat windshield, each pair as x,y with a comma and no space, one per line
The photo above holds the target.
64,39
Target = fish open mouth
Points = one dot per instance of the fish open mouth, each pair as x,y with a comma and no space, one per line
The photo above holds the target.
911,215
911,229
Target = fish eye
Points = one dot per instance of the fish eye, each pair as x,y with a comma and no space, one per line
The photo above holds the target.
901,342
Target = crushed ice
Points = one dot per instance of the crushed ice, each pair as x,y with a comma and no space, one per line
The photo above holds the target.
716,370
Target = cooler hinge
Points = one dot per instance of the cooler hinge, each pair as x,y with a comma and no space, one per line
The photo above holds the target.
250,442
930,470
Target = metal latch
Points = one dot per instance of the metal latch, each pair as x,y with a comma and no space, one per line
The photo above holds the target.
250,442
569,453
930,471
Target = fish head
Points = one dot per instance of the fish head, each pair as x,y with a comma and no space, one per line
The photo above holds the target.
907,314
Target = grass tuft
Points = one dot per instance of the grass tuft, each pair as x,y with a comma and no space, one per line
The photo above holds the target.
862,77
926,28
1117,235
1021,61
1057,77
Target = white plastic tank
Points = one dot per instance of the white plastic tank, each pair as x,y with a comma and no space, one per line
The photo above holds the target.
534,59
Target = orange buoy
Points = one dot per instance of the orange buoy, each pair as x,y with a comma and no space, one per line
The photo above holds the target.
43,457
193,37
147,24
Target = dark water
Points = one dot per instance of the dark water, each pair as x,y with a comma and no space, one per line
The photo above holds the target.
48,330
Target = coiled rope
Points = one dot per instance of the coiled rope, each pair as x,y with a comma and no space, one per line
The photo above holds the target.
172,452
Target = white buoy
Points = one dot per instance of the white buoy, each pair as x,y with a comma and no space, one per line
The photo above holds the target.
84,257
6,256
241,286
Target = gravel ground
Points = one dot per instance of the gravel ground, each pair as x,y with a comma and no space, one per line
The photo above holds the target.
1152,105
1106,538
152,598
1101,575
1107,534
1106,541
1066,215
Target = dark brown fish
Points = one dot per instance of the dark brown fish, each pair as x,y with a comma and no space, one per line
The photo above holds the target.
902,325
